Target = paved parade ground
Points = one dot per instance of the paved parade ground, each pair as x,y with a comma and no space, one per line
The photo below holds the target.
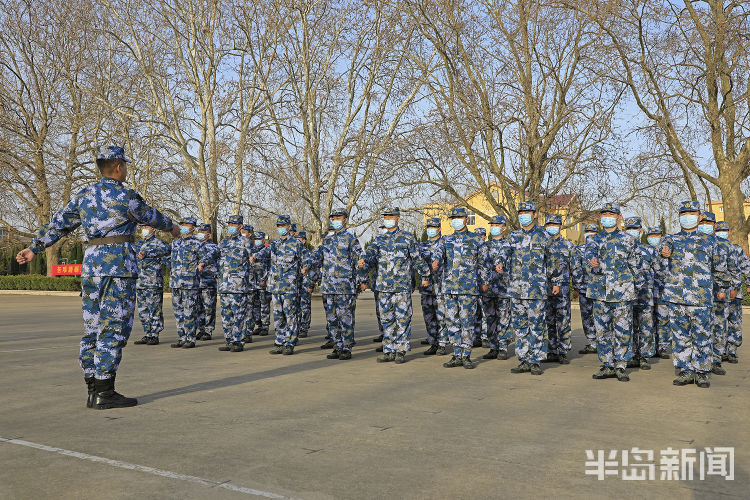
212,424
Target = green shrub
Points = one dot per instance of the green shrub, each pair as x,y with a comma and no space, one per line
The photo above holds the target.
40,282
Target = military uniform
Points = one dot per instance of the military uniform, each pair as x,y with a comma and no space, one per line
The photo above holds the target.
109,213
183,280
429,294
251,290
305,296
207,284
150,287
643,333
480,320
580,282
495,301
734,307
562,254
659,266
336,262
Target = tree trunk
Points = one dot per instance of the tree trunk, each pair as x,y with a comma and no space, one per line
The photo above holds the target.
53,255
733,202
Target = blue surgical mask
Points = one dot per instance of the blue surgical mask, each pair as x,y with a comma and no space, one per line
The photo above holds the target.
184,230
389,224
496,230
145,233
525,219
337,224
457,224
634,233
200,236
609,221
553,230
258,243
282,230
722,234
232,230
589,235
688,221
653,240
383,230
706,229
431,232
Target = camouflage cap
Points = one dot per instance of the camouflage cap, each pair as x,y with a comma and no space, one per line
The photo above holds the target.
554,219
283,220
709,216
111,153
591,228
339,212
481,230
690,206
394,212
458,212
260,235
722,226
498,219
235,219
302,235
432,222
527,206
248,227
205,228
294,227
610,208
654,230
188,220
633,223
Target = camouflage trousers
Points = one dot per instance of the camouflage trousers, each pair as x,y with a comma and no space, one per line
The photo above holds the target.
207,310
108,304
497,312
734,326
480,321
558,323
305,305
663,334
395,312
429,304
262,308
340,318
460,312
613,322
529,321
251,317
234,312
285,317
644,336
692,349
719,315
150,302
185,305
587,319
328,325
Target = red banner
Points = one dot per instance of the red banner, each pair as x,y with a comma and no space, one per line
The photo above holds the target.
66,270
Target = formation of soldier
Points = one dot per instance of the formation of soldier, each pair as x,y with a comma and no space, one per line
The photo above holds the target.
680,292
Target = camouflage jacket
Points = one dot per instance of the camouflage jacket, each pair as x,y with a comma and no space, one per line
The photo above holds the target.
186,255
562,255
732,268
104,209
285,256
620,270
695,263
211,255
235,270
645,293
578,269
459,256
740,262
395,255
528,261
335,260
426,250
259,277
155,256
490,254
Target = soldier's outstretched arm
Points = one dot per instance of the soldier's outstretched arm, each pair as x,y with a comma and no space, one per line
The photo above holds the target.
142,213
63,222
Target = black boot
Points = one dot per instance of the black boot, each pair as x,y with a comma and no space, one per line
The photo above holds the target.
302,334
328,345
477,342
441,351
379,338
227,347
334,355
142,341
563,359
177,344
153,341
107,398
237,347
491,355
344,355
431,351
92,391
379,348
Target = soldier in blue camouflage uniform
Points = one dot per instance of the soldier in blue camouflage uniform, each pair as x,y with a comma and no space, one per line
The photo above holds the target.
643,334
305,294
480,320
562,254
734,308
251,290
659,266
207,283
615,273
183,280
394,254
527,260
315,277
236,285
261,298
695,263
429,294
285,256
152,254
336,261
109,213
581,283
720,309
495,301
463,274
374,278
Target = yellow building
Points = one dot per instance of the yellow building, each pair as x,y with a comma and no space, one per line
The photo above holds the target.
717,207
563,204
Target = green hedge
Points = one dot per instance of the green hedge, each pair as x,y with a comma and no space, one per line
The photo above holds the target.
40,282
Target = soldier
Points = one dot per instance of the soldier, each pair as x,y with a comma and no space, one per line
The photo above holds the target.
285,256
251,290
495,301
643,338
394,254
336,262
183,280
562,253
236,285
462,275
315,278
305,294
429,294
580,281
480,321
373,278
207,283
734,307
615,273
695,263
659,266
262,299
152,255
109,213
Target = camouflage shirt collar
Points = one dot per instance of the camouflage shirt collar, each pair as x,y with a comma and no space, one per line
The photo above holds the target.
110,180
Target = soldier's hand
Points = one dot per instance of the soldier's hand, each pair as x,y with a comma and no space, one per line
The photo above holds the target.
733,294
263,284
425,283
141,255
361,263
435,265
499,268
363,287
484,288
309,290
594,262
666,252
304,271
253,260
25,255
201,266
556,290
175,230
721,295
